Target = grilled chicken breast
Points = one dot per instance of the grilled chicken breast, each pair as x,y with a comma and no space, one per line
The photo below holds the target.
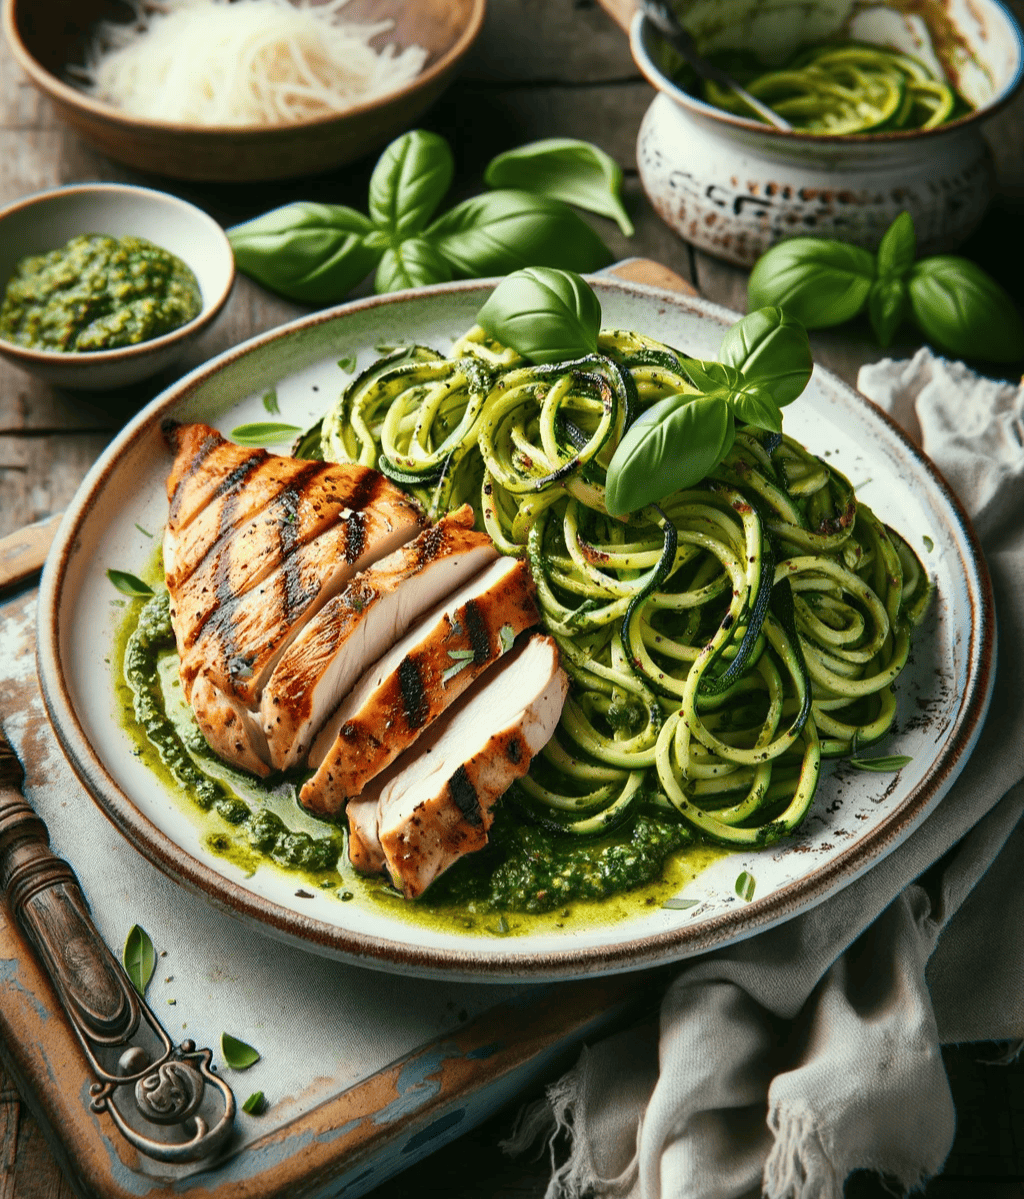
254,545
435,805
422,675
354,629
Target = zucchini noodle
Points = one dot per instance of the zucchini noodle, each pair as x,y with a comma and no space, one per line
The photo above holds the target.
719,644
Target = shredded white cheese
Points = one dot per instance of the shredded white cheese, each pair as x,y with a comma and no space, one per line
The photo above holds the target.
243,62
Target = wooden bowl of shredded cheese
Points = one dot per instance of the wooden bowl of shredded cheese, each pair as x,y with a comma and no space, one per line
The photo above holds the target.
240,90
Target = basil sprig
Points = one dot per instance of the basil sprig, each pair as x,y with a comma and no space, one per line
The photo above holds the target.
546,315
316,253
766,363
958,307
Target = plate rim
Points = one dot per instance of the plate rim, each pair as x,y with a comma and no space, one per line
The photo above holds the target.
378,952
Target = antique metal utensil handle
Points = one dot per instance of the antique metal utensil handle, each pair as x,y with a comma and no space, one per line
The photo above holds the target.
165,1100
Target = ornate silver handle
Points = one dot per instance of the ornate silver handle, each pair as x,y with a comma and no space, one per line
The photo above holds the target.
166,1101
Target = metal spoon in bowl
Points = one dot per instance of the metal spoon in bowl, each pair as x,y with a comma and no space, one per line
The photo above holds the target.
667,24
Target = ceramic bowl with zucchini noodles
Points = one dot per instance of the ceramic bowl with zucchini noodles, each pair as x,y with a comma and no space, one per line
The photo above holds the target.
720,642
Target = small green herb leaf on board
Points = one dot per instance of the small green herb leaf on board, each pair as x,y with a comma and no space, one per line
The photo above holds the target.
576,172
139,958
237,1054
270,402
255,1104
129,584
745,886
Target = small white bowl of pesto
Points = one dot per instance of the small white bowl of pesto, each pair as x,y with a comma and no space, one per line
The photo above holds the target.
103,284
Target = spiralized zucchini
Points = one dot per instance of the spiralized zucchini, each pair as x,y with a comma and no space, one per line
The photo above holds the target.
719,644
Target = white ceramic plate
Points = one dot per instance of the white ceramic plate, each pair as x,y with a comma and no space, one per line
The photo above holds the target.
856,818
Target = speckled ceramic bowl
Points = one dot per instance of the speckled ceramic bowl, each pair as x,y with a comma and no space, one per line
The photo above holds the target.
733,186
49,220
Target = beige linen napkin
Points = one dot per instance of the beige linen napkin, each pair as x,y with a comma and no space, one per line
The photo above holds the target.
789,1060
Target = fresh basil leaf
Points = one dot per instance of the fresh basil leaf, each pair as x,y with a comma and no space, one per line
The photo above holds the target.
770,349
708,376
546,315
888,305
898,248
413,263
129,584
755,405
263,432
139,958
673,445
745,885
964,311
817,281
315,253
881,765
567,169
237,1054
503,231
270,402
680,905
409,181
255,1104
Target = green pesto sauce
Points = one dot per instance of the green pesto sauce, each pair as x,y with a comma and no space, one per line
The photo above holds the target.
521,881
97,293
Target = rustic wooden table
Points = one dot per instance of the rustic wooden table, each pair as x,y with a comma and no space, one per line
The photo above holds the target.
541,68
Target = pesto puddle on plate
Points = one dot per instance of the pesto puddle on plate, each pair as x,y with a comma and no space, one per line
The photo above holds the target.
259,825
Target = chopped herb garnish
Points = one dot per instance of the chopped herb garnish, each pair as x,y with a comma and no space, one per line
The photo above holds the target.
144,532
129,584
680,905
270,402
237,1054
264,432
139,958
506,635
882,765
929,545
348,363
255,1104
745,886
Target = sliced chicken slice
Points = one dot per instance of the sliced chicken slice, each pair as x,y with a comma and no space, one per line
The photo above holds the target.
206,467
364,847
421,676
437,806
355,628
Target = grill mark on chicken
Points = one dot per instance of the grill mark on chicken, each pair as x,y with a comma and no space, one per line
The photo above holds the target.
476,629
356,536
414,698
466,799
295,596
209,443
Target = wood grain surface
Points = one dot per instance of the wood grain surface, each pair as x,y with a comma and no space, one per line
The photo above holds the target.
542,68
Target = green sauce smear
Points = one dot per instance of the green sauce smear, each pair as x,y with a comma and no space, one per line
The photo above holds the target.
98,293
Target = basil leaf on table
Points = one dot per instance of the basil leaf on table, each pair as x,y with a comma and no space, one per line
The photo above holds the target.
964,311
546,315
139,958
314,253
770,349
409,181
412,263
898,247
567,169
673,445
888,305
504,231
816,281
